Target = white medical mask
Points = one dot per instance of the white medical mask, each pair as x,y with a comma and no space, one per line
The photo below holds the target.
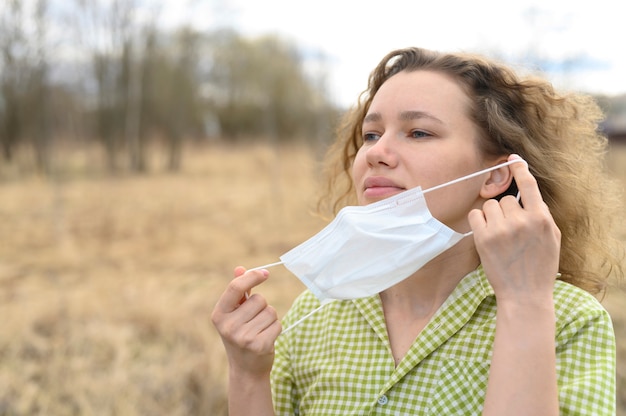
367,249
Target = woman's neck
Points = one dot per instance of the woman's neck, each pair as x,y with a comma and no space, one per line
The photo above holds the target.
421,294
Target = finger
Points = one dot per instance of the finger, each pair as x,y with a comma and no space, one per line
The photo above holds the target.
510,205
272,331
492,210
239,271
251,311
262,340
526,184
476,219
237,288
263,319
490,215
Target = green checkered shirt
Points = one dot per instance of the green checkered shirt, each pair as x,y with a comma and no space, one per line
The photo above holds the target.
339,362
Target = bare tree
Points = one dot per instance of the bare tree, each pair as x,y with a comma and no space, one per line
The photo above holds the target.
23,79
185,114
12,83
106,29
171,107
39,90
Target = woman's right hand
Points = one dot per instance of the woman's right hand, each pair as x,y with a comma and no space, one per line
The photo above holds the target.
248,326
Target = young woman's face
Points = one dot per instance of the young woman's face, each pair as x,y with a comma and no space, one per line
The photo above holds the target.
417,133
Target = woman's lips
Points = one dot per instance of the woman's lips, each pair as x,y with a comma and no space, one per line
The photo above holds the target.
378,192
379,187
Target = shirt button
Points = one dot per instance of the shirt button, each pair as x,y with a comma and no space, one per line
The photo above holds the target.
382,400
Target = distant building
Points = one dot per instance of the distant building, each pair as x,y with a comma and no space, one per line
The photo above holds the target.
614,126
615,129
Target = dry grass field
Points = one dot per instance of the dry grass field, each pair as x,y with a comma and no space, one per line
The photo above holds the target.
107,284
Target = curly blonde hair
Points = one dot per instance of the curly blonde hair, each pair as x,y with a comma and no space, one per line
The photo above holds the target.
557,134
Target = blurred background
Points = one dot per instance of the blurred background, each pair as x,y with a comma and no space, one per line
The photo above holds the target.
150,146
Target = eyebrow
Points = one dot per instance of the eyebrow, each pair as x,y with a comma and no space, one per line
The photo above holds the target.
404,116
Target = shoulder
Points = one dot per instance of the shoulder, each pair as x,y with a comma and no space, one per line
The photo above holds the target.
580,313
304,303
569,298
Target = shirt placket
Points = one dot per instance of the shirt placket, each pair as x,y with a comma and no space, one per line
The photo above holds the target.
438,331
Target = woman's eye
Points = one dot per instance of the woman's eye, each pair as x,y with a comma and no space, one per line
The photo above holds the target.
368,137
418,134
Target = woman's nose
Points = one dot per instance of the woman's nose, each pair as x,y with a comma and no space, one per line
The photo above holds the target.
382,152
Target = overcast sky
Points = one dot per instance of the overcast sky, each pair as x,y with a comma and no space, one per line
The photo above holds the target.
579,43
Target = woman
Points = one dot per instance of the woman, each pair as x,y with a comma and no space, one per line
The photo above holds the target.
472,331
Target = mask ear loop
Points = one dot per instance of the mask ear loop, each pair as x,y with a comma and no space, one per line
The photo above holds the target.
305,317
473,175
278,263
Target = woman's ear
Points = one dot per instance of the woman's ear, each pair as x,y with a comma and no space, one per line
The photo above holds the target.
497,182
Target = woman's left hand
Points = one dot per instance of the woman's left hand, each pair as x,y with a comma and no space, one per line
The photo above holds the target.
518,245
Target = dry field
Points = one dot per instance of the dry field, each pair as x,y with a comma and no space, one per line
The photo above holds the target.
106,284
